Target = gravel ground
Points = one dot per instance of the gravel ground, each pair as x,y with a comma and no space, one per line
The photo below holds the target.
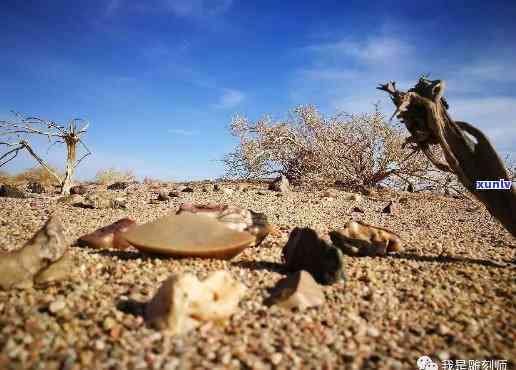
450,294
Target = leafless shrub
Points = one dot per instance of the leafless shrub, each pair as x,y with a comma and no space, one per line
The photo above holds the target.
112,175
15,136
37,174
354,150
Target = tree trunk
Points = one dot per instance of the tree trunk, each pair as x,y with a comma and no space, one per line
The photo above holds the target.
66,184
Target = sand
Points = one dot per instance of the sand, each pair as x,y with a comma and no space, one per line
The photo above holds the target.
450,294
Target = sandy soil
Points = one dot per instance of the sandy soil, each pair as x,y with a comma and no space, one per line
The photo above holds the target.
450,294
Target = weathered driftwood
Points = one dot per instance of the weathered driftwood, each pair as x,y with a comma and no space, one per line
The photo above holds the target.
423,110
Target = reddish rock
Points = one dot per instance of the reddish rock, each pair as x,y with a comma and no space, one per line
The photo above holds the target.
108,236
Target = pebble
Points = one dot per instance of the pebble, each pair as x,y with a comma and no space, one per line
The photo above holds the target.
57,306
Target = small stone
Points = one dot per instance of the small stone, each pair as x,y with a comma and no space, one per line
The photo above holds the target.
276,358
369,191
227,191
78,189
443,329
280,184
47,246
119,185
57,271
108,323
100,345
353,197
357,210
109,236
298,290
186,189
360,239
36,187
173,194
163,196
103,200
391,208
305,250
70,199
373,332
8,191
330,193
57,306
443,355
207,188
183,303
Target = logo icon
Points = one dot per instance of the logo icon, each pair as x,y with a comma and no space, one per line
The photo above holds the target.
426,363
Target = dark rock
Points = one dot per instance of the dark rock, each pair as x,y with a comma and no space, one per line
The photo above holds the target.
163,196
280,184
173,194
187,189
357,209
391,208
306,251
78,189
36,187
119,185
8,191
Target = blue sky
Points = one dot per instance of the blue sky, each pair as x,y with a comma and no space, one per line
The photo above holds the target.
159,80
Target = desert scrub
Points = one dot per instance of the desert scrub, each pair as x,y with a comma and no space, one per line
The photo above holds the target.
354,150
112,175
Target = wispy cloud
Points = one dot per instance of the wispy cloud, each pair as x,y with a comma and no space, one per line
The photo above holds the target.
371,50
229,99
196,9
179,131
343,75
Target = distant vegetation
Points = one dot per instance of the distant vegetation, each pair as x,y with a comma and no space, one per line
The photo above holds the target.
36,174
353,151
112,175
16,135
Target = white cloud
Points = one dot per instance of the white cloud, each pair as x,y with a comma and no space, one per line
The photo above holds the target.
371,50
230,99
490,70
495,116
342,76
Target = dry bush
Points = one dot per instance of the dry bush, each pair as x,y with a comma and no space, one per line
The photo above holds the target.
37,174
352,150
112,175
6,178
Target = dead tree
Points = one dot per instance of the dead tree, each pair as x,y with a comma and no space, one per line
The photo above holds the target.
423,110
14,136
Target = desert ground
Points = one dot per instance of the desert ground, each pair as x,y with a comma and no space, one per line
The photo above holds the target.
449,294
